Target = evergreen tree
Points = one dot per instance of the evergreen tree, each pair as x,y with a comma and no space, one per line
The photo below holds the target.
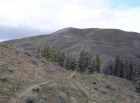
110,67
38,50
130,70
73,63
126,70
121,74
117,62
44,52
51,54
137,87
92,67
88,58
61,58
82,62
98,64
57,56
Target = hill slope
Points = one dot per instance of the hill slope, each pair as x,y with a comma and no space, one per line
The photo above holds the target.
107,42
20,69
84,88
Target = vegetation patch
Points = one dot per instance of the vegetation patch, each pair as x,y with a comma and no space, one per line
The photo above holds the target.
29,98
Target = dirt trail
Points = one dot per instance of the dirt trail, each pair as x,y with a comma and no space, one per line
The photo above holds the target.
33,86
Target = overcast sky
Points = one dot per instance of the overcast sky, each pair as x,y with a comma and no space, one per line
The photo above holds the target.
23,18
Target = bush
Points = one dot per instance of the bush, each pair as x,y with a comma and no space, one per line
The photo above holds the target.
103,91
11,69
34,62
52,86
4,78
62,96
28,98
37,89
73,100
44,99
73,87
108,86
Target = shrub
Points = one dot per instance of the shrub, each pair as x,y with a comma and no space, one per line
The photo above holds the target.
108,86
103,91
11,69
44,99
4,78
29,98
62,96
73,100
52,86
73,87
34,62
37,89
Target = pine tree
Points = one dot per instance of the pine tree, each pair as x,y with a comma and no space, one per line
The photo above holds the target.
61,58
44,52
82,62
57,56
52,54
89,59
38,50
92,67
117,62
121,69
130,70
65,62
73,63
110,67
137,87
126,70
98,64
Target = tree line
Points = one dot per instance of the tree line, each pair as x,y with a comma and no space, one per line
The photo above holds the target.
84,62
123,69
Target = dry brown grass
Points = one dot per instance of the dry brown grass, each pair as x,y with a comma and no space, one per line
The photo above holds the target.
83,89
19,69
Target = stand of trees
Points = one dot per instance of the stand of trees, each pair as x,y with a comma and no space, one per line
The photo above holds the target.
123,69
84,62
120,68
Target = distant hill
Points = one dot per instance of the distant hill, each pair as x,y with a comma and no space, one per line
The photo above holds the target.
107,42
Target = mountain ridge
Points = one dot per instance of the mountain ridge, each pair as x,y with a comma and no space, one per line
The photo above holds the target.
107,42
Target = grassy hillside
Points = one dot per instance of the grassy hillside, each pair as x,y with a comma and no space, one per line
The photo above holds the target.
20,69
84,88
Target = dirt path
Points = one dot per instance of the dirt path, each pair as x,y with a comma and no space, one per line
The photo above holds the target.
33,86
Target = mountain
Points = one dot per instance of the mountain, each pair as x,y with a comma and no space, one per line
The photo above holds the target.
107,42
26,77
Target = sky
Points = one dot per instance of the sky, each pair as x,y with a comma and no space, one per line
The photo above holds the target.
24,18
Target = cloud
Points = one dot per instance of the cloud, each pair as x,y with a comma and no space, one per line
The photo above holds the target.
7,33
20,18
